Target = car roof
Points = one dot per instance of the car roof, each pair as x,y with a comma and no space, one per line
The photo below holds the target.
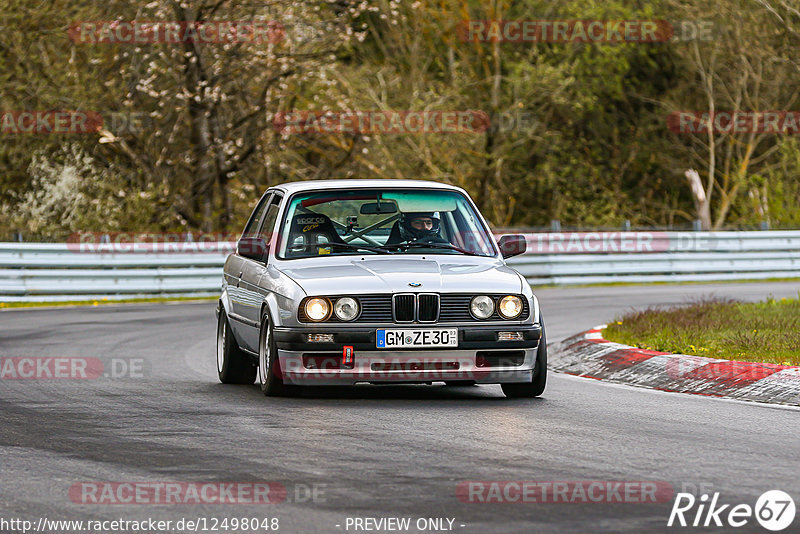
358,183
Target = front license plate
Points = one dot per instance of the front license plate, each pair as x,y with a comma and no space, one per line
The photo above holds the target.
398,339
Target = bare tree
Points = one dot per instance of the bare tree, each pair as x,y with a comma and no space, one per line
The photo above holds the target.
741,70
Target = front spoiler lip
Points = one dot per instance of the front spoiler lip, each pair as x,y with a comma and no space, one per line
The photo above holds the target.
298,375
405,367
351,379
364,338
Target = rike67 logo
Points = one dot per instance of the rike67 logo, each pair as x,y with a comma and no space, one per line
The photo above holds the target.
774,510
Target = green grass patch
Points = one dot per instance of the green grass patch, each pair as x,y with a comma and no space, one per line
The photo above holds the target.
731,330
100,302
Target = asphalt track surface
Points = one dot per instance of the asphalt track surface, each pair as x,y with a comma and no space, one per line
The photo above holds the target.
371,451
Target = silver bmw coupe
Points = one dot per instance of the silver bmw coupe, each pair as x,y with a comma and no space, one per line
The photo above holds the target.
340,282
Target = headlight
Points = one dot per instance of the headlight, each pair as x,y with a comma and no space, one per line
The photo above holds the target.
346,308
317,309
482,307
510,307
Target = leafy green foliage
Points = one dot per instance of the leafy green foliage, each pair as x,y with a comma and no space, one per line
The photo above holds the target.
578,129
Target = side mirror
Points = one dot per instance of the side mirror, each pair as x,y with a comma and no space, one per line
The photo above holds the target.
254,248
512,245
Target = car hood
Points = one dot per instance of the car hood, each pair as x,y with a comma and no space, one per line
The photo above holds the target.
356,275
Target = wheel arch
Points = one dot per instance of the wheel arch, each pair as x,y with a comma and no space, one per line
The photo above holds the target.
270,303
223,303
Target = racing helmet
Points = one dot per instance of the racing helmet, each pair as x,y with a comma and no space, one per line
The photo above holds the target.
415,225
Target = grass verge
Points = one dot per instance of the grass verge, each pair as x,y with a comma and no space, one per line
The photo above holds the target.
755,332
99,302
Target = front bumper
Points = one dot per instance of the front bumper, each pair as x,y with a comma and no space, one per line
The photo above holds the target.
479,357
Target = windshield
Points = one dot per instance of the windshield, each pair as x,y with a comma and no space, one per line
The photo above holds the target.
382,221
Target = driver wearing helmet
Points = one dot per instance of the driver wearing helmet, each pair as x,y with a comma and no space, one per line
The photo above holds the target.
420,226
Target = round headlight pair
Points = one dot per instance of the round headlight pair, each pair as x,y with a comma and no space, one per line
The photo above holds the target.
319,309
482,307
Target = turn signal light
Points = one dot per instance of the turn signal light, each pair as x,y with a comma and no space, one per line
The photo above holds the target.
509,336
320,338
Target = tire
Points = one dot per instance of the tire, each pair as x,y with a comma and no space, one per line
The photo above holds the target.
459,383
233,365
269,371
535,387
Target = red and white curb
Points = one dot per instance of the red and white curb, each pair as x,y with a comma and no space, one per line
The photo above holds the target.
589,355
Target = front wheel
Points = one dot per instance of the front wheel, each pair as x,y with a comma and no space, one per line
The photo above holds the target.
233,365
537,385
269,370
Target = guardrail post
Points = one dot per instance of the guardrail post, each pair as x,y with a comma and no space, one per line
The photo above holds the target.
626,226
697,225
555,225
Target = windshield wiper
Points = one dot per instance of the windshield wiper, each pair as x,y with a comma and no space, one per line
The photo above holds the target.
349,246
419,244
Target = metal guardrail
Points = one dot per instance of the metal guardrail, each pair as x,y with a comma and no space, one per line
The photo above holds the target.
608,257
73,271
46,272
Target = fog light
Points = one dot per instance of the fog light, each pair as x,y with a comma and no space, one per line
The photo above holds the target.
509,336
320,338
